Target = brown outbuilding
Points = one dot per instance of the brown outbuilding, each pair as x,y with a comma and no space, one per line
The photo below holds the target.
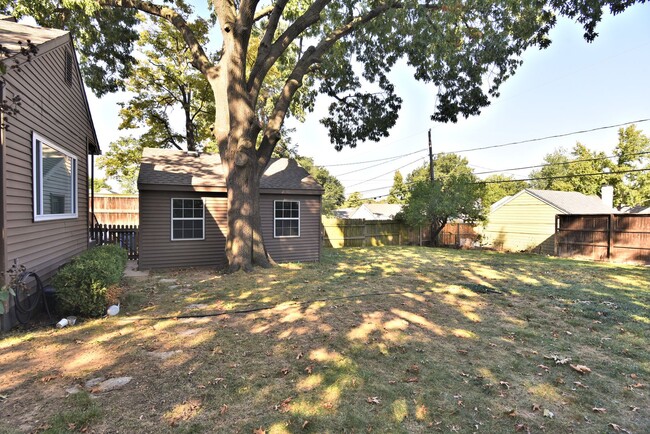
183,210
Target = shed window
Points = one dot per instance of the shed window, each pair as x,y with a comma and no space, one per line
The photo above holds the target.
286,218
188,219
55,181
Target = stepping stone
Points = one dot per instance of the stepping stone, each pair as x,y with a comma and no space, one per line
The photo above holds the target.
112,384
94,382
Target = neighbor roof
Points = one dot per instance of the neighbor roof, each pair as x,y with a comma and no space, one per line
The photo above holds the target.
567,202
172,169
14,35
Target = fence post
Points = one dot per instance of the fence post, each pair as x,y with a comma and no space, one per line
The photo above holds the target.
610,235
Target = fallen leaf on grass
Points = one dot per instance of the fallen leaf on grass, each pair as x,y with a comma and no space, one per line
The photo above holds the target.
559,360
283,407
48,378
299,356
599,410
543,367
259,430
522,427
505,383
328,405
223,409
413,369
632,375
304,424
373,400
548,413
637,386
618,428
464,352
579,384
411,380
580,368
309,369
633,408
536,407
285,371
512,412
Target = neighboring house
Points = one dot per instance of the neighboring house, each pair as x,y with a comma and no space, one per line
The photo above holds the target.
44,153
526,221
369,211
183,205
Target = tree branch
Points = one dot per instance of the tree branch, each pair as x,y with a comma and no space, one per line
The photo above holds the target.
199,57
266,60
311,56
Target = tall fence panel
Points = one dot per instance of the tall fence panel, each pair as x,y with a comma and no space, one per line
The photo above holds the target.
339,233
127,236
111,209
613,237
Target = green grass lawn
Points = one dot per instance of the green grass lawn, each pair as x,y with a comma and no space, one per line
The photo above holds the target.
402,339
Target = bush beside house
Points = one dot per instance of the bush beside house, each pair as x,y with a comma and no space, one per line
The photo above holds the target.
83,286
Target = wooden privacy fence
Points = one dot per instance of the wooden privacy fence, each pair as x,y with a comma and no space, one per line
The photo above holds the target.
111,209
602,237
339,233
127,236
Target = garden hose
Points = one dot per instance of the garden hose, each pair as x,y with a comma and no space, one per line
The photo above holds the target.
25,308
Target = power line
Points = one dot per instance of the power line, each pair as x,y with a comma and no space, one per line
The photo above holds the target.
555,136
395,157
384,174
581,175
584,160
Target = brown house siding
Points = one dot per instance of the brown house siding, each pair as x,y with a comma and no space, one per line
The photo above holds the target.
157,250
305,248
56,112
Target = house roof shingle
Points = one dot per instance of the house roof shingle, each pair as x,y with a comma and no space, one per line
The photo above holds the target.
174,168
571,202
12,34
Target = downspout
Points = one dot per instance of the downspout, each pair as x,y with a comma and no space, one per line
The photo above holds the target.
5,323
3,196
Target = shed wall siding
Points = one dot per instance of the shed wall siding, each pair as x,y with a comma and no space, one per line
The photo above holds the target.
57,112
524,223
157,250
305,248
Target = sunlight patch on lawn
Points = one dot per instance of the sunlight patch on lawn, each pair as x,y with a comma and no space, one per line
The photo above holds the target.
642,319
462,333
17,339
400,409
370,324
309,383
418,320
546,391
89,358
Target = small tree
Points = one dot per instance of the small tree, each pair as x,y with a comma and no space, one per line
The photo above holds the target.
454,194
399,190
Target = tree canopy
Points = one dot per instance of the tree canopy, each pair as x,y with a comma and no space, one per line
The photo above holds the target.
343,49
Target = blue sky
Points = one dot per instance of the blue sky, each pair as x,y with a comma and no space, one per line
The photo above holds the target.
570,86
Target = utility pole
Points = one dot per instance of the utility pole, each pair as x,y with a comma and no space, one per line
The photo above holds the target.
430,157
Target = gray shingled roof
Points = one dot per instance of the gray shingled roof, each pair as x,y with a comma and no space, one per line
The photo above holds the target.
160,167
12,33
572,202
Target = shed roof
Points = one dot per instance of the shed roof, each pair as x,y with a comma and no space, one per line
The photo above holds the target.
566,202
172,169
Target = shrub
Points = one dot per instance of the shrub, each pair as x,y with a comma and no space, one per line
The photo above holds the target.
83,287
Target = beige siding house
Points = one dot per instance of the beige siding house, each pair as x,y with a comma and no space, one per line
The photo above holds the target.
526,221
44,152
183,210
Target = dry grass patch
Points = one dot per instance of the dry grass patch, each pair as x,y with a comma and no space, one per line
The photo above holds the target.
382,339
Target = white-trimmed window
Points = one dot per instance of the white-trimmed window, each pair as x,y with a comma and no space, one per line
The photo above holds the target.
188,219
55,181
286,219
